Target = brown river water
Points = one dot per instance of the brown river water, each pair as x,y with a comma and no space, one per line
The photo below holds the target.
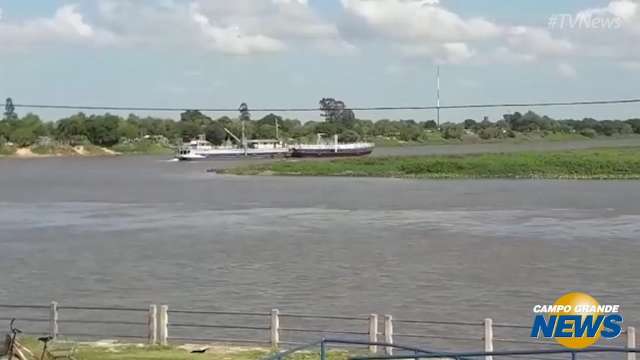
130,231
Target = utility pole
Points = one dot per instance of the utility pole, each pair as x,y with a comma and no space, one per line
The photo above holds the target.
438,98
277,135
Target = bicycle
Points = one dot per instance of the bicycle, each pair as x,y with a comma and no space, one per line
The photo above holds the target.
16,351
11,348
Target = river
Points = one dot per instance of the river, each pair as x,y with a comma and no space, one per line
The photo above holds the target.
136,230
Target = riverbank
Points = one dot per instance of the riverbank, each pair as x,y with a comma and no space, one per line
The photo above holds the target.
108,350
55,151
84,150
603,163
437,138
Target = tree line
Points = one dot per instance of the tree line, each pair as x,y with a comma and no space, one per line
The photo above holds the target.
108,130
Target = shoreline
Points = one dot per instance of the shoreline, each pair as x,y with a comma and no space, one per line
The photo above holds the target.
60,152
583,164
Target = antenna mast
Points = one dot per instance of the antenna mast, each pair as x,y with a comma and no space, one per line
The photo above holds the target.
438,97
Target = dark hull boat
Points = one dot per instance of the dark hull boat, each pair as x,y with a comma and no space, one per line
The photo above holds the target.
332,150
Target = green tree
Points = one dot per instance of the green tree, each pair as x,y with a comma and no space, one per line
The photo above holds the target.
430,125
470,124
23,136
215,133
635,125
10,110
128,129
192,123
71,128
335,112
349,136
245,115
102,130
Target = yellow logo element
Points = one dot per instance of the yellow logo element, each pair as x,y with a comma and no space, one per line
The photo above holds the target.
580,304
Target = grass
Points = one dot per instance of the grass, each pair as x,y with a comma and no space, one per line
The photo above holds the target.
7,150
133,352
605,163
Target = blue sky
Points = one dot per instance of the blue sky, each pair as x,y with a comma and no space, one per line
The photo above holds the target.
280,53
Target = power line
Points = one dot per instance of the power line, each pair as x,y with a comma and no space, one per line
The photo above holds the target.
373,108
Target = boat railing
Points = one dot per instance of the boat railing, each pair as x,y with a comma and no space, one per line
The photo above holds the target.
360,145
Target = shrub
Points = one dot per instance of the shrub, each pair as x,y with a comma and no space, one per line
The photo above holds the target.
349,136
453,132
590,133
490,133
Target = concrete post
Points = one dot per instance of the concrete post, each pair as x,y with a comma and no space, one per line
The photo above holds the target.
488,337
631,342
275,328
53,320
373,332
152,321
164,325
388,333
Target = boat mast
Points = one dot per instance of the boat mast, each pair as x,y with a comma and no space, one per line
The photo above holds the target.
244,139
244,115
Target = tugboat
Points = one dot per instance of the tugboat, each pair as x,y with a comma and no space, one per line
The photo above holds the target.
331,150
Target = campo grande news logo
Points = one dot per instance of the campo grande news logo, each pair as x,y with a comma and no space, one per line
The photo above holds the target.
576,320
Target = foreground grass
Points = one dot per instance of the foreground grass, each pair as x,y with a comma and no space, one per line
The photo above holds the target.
605,163
131,352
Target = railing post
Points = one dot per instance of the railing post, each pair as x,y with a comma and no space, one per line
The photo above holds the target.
53,320
323,350
152,320
631,342
388,334
164,325
275,328
373,332
488,337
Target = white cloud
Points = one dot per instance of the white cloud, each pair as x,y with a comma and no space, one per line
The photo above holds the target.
618,44
537,42
446,53
567,71
423,20
231,39
631,65
426,28
239,27
67,25
623,9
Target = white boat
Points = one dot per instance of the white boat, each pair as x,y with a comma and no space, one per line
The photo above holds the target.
201,149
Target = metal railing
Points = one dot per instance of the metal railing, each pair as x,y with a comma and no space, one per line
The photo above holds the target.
161,325
413,353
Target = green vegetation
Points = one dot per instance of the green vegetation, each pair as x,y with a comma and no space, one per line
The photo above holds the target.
147,147
151,135
576,164
132,352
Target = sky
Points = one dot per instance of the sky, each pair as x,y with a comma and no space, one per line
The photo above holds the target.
291,53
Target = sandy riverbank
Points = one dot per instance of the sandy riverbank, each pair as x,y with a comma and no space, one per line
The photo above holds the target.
59,151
